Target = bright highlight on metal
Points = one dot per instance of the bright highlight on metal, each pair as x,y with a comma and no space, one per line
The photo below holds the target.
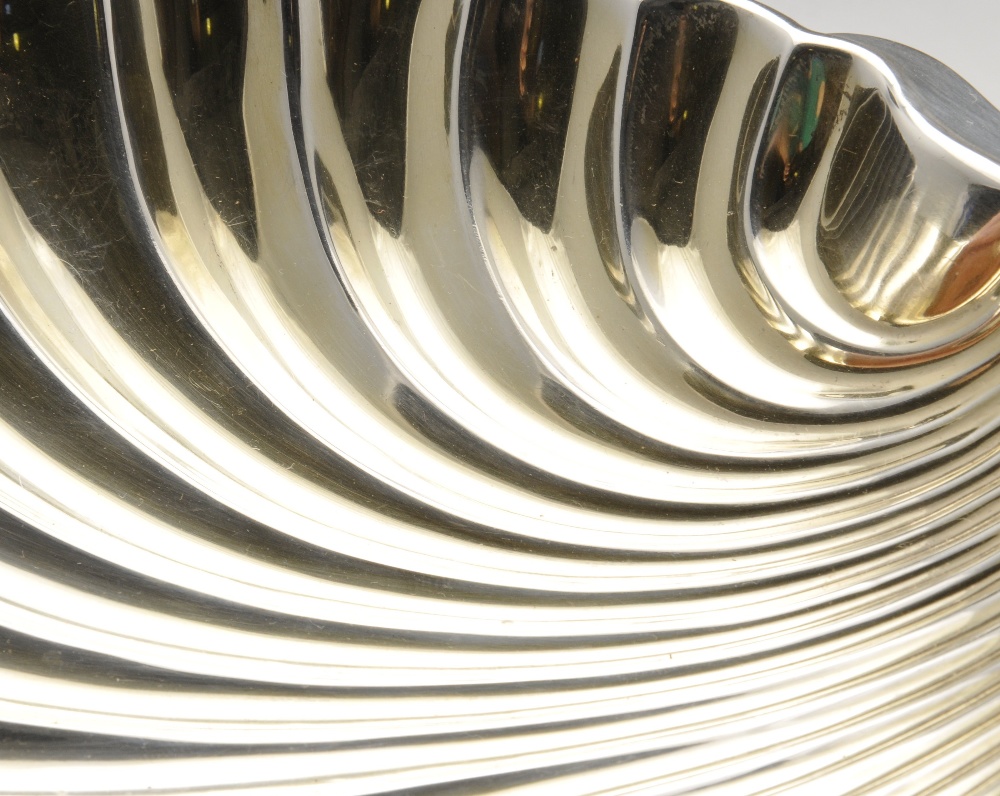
542,397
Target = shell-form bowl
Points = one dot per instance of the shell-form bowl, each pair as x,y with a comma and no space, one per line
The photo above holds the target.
539,397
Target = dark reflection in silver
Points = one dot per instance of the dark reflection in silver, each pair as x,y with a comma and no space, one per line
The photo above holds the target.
522,65
479,396
368,68
679,62
203,57
804,112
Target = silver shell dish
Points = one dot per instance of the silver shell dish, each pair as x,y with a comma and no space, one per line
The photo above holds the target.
540,397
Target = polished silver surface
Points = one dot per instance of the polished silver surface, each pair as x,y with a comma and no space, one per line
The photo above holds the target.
458,397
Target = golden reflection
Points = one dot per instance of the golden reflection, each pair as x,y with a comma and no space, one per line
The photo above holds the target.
196,22
522,71
974,269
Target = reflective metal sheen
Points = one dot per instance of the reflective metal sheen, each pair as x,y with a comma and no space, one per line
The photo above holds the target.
493,396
